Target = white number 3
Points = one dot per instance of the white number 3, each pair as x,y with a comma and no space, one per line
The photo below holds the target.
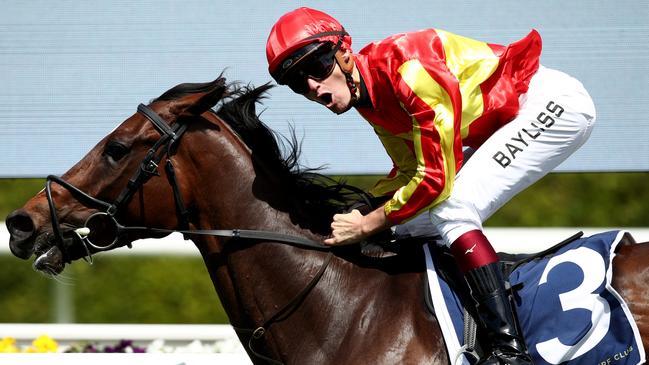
593,267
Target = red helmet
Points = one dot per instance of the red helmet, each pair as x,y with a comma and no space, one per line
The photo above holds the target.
298,28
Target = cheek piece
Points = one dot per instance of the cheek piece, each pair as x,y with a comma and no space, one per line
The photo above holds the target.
347,68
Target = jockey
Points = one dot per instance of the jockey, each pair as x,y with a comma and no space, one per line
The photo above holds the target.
429,95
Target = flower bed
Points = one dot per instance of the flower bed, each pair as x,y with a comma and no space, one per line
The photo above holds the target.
40,345
46,344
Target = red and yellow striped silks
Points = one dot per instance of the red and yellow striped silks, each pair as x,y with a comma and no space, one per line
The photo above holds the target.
434,92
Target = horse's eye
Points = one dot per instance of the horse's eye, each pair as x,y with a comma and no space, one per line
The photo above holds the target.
115,150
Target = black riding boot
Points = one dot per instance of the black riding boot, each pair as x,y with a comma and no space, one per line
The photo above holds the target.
497,317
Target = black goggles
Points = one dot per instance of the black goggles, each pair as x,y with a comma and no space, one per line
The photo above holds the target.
314,61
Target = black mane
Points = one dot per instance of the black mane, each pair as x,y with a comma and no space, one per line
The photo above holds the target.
318,197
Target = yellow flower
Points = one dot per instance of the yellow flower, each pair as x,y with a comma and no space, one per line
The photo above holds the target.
43,343
8,345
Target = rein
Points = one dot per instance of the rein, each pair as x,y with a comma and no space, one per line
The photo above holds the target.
165,146
282,314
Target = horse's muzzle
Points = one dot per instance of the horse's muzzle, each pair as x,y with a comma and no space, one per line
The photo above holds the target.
21,232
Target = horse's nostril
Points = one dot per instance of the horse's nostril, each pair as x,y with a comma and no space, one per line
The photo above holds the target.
20,225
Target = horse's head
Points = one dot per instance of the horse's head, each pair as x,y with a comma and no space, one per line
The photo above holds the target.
77,214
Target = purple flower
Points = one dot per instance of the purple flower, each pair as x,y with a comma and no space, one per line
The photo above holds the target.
90,348
124,346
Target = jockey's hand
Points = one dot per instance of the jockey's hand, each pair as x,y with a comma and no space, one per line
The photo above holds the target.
346,229
354,227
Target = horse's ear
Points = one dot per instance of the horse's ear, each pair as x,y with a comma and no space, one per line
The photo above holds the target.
200,102
208,99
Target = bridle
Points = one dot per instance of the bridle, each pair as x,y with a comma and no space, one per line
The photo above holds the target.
165,148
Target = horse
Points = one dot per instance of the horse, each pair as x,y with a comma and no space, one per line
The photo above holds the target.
257,218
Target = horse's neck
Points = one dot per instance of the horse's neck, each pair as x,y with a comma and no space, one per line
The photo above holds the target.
242,204
257,279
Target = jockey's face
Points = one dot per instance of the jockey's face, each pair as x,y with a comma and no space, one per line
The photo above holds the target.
314,72
332,92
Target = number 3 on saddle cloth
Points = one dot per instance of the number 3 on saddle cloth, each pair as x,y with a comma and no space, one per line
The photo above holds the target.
567,308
